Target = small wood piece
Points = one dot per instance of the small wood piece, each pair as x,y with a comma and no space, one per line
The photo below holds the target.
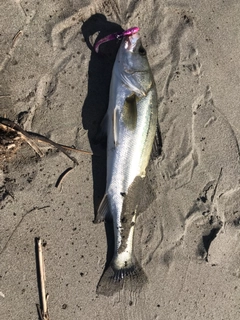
31,138
43,310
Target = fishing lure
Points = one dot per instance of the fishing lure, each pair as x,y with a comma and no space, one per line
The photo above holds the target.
116,36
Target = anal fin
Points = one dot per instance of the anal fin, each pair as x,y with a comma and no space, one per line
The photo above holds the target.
103,210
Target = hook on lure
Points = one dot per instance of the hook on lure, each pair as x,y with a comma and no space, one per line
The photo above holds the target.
116,35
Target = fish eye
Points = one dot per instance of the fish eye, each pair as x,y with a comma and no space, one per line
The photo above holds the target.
142,51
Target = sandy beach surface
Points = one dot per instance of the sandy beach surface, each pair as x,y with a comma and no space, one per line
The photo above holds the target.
52,83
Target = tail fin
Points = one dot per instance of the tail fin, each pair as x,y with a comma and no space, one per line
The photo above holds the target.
113,280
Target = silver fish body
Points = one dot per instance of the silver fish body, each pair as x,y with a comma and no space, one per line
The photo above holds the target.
131,122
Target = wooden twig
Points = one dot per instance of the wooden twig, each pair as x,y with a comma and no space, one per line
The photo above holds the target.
31,137
20,32
43,310
63,175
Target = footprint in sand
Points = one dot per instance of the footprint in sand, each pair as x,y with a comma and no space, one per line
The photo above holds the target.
215,143
225,248
215,215
180,73
206,143
179,66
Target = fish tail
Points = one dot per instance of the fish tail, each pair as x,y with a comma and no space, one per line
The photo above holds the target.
114,279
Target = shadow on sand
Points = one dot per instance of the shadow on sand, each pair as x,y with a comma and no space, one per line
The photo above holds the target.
95,106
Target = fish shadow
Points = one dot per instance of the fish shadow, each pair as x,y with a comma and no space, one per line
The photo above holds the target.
96,104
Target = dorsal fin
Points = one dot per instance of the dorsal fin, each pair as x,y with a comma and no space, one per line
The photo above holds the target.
157,144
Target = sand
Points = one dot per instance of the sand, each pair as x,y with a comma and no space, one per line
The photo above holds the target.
188,239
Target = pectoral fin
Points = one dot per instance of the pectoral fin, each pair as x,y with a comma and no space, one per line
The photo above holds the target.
133,84
130,112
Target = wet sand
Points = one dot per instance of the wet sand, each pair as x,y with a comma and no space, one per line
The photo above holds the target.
188,239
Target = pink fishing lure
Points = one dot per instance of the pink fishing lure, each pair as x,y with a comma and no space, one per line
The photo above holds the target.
116,35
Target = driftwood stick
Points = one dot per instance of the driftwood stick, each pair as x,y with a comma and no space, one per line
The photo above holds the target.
43,310
29,137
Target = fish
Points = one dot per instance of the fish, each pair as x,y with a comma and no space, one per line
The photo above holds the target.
131,126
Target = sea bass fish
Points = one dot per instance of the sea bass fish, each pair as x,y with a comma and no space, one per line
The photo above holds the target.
131,125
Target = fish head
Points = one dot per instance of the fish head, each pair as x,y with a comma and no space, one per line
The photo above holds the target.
133,44
132,53
132,65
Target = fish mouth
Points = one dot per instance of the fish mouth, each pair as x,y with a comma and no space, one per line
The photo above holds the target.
131,41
